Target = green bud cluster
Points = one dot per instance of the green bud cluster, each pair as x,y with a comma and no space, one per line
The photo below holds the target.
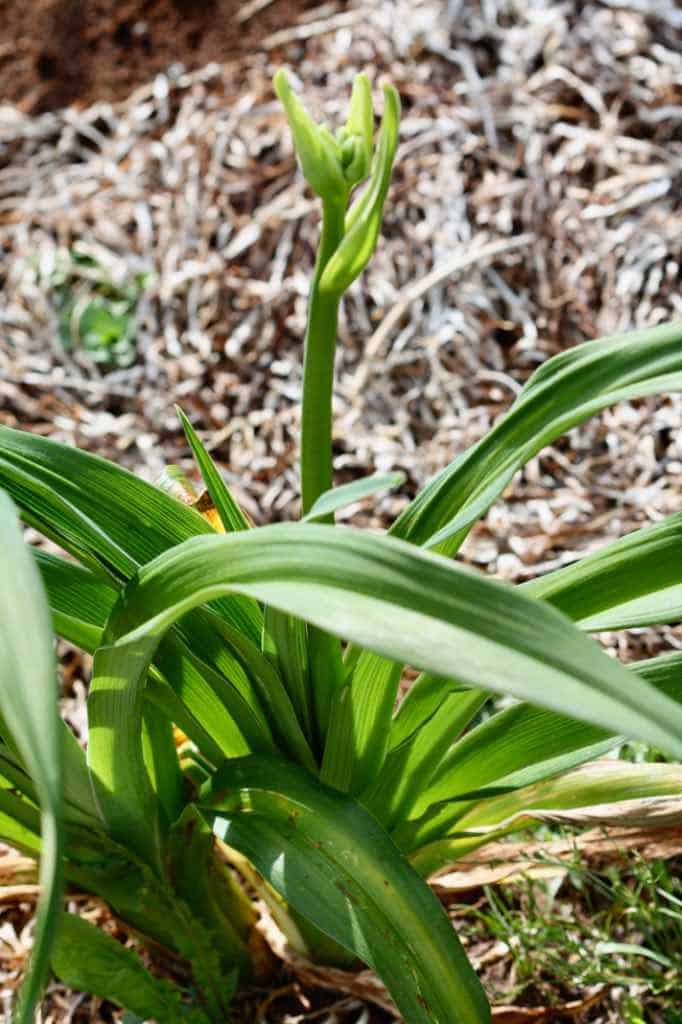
334,164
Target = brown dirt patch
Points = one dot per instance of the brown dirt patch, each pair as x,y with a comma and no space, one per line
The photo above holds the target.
54,53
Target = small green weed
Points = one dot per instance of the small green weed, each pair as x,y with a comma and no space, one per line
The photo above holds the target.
96,312
619,926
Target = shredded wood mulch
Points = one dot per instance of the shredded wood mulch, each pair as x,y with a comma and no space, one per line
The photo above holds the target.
537,203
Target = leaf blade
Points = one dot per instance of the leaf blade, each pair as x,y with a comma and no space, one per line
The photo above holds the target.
88,959
101,513
338,867
231,515
564,391
359,724
522,646
634,581
27,672
604,792
516,748
347,494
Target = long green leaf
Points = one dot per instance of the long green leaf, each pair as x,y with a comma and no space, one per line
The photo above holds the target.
273,695
285,641
359,724
380,593
604,792
28,700
513,748
335,865
348,494
635,581
285,644
565,391
211,701
517,747
139,520
407,605
420,703
19,823
128,804
77,804
80,599
127,801
188,690
103,514
160,755
231,515
410,766
202,701
287,638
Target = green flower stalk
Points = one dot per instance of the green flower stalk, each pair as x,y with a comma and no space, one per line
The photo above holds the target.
333,165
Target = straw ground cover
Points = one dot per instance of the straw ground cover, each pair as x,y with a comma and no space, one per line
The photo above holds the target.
478,175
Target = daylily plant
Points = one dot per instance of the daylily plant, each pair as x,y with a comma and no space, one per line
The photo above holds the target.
242,717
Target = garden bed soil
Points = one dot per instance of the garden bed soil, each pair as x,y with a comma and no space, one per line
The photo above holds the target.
59,52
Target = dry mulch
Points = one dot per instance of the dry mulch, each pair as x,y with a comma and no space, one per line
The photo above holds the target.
537,203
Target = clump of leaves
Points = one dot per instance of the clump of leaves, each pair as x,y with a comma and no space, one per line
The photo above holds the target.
97,311
278,652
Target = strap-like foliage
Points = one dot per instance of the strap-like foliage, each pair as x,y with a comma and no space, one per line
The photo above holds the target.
231,515
367,589
291,750
635,581
514,749
28,697
334,864
348,494
565,391
103,514
604,792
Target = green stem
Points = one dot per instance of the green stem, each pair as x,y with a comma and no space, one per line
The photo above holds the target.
316,441
318,366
